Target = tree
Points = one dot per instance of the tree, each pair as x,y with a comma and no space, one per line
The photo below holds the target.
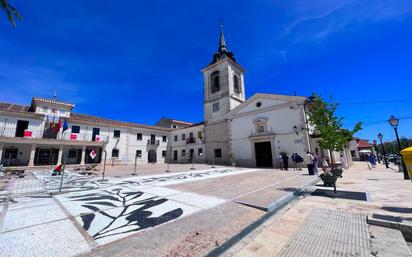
11,12
321,115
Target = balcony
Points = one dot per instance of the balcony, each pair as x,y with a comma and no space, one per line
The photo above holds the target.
190,140
153,142
49,134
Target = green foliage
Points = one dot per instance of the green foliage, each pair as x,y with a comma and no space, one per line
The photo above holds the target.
11,12
327,125
391,147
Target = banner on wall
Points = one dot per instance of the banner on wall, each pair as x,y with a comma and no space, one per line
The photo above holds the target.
93,154
28,133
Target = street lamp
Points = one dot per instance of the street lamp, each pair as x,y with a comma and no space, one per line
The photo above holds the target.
380,137
376,149
394,123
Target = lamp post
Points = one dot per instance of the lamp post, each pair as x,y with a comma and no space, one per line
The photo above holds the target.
376,149
380,136
394,123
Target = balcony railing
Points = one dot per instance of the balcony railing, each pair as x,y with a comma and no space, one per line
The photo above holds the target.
52,134
190,140
153,142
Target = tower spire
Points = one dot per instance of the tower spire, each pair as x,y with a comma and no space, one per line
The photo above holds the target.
222,51
222,43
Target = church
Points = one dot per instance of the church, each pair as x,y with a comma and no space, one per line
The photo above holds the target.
236,131
246,132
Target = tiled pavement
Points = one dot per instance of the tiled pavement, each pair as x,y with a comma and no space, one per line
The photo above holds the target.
91,214
388,194
329,233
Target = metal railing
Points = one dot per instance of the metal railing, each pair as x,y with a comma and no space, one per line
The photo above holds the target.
153,142
52,134
190,140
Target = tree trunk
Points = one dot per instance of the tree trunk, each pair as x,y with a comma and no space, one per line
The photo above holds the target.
332,161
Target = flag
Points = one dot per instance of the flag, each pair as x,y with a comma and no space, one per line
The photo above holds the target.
58,125
65,126
93,154
53,124
47,123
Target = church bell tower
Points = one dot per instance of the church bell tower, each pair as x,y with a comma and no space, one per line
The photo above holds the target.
223,83
223,90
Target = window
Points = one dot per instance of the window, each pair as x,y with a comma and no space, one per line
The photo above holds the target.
10,153
116,133
175,138
218,153
174,126
200,134
183,136
236,84
164,138
75,129
115,152
214,79
183,153
139,153
258,104
139,136
175,155
200,151
216,107
191,135
72,153
260,125
163,153
353,153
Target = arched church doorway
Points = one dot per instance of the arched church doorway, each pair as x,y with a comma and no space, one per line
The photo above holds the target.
152,156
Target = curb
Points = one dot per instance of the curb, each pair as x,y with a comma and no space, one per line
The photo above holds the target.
272,210
278,204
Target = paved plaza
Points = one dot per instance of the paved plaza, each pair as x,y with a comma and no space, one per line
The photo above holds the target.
158,213
361,192
222,211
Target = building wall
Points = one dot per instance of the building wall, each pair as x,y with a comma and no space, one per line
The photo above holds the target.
180,144
134,144
280,133
8,125
217,137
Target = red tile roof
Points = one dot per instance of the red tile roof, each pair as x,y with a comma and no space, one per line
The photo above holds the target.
14,108
364,144
81,117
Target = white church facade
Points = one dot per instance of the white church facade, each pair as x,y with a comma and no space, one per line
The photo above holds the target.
247,132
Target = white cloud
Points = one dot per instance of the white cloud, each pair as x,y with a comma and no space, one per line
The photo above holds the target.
313,23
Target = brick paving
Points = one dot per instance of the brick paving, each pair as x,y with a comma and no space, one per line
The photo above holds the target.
388,194
328,233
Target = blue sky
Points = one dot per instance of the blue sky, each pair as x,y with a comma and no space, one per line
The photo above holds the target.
141,60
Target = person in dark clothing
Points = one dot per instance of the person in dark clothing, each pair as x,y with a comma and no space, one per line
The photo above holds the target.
297,160
285,159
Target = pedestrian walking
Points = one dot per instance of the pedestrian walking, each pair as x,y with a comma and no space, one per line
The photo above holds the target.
280,159
285,159
372,160
309,162
297,161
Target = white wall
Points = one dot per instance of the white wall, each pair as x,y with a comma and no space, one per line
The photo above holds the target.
180,144
280,124
8,126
